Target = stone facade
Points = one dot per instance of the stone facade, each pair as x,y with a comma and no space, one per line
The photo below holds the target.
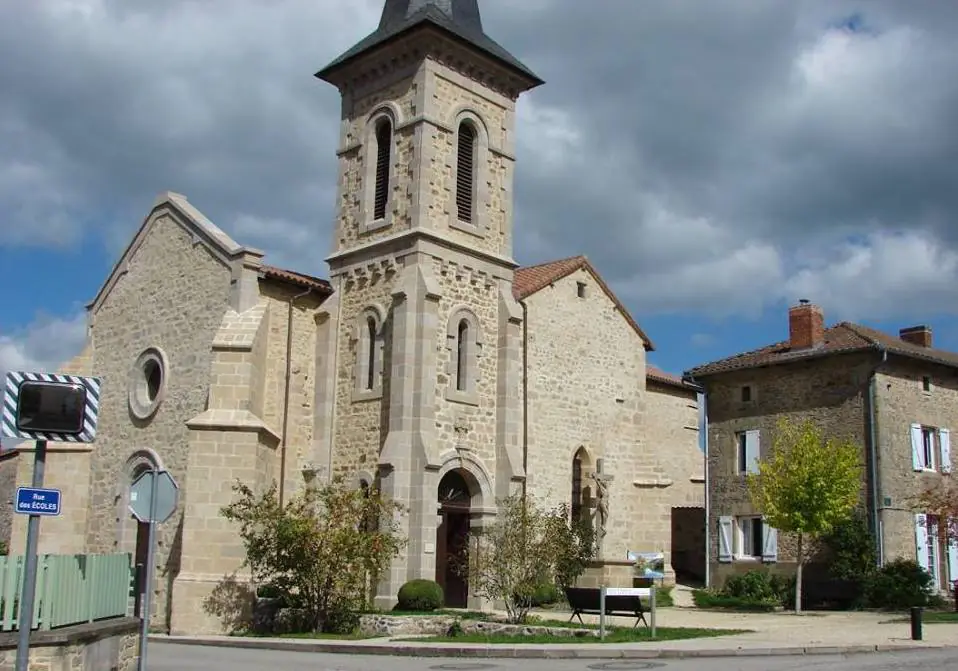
425,356
802,379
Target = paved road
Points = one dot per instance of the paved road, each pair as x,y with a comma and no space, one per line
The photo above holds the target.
170,657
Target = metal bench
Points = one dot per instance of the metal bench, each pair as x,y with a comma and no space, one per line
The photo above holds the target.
587,600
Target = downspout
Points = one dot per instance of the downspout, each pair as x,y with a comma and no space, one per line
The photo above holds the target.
704,433
873,457
525,399
335,379
289,376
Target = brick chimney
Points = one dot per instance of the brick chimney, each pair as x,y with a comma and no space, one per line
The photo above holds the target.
806,325
917,335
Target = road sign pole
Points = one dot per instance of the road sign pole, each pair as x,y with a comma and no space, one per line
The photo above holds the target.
30,565
150,568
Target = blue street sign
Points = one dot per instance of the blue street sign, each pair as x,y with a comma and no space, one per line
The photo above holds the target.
33,501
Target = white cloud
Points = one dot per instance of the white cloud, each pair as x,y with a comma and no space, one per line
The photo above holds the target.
44,345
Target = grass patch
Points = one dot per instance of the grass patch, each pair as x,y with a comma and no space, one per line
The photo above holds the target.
930,617
663,597
619,635
310,635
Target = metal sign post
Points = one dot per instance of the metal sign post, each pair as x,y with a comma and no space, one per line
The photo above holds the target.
153,498
30,568
44,408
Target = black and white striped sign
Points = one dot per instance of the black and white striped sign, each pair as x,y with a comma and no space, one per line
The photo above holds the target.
11,407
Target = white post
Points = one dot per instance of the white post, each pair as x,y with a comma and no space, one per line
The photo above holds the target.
602,613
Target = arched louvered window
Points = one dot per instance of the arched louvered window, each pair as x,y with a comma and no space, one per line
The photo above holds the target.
466,172
384,133
462,362
371,352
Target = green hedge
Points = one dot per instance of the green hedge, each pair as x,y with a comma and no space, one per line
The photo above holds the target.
704,598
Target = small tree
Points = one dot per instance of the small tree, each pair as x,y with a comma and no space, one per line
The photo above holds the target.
806,486
525,548
319,551
941,500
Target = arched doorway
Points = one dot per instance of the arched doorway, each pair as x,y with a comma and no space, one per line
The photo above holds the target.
452,539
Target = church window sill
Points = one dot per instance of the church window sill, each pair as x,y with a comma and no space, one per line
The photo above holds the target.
360,395
463,397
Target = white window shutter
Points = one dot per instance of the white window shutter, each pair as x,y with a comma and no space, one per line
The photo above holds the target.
725,539
917,449
952,553
944,441
751,451
921,541
769,543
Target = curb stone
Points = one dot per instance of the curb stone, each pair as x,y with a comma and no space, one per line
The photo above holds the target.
565,651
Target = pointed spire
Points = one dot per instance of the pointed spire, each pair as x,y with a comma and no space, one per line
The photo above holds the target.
460,18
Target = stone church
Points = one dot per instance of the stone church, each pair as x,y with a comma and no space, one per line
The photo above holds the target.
428,362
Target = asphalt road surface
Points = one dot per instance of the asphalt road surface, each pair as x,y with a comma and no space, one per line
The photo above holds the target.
170,657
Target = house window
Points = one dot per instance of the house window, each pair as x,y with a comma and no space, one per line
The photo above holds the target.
746,394
580,289
383,149
927,546
370,353
466,172
926,383
747,451
930,448
750,537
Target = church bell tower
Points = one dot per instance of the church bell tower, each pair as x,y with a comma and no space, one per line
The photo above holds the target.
421,341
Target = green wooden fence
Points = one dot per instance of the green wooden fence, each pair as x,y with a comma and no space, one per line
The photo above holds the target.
71,589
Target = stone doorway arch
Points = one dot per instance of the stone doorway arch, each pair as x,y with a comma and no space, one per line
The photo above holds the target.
452,537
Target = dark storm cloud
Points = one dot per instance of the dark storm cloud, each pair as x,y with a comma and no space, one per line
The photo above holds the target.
706,155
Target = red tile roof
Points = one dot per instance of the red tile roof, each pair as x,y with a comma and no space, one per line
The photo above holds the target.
297,279
841,338
656,374
530,279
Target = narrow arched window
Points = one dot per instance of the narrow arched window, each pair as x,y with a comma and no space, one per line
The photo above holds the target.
462,362
577,486
384,132
466,172
371,353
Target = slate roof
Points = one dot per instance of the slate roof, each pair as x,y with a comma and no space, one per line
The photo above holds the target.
842,338
460,18
530,279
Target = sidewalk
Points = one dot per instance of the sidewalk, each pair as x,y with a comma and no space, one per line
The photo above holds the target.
773,634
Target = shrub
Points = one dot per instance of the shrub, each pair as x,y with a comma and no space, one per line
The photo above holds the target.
752,586
420,596
900,584
546,595
704,598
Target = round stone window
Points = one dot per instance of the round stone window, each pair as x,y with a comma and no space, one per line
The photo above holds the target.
147,383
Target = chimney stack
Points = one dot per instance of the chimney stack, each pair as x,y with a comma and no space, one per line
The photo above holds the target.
916,335
806,325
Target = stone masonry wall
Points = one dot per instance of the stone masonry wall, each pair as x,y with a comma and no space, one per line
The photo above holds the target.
173,296
451,94
586,377
901,402
462,288
678,479
831,392
352,168
360,423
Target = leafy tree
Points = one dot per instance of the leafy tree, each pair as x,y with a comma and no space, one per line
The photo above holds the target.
941,499
319,551
525,548
807,485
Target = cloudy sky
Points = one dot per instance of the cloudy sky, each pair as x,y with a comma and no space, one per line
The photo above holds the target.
717,160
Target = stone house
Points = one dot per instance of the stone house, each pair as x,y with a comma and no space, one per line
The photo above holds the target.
897,397
428,363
